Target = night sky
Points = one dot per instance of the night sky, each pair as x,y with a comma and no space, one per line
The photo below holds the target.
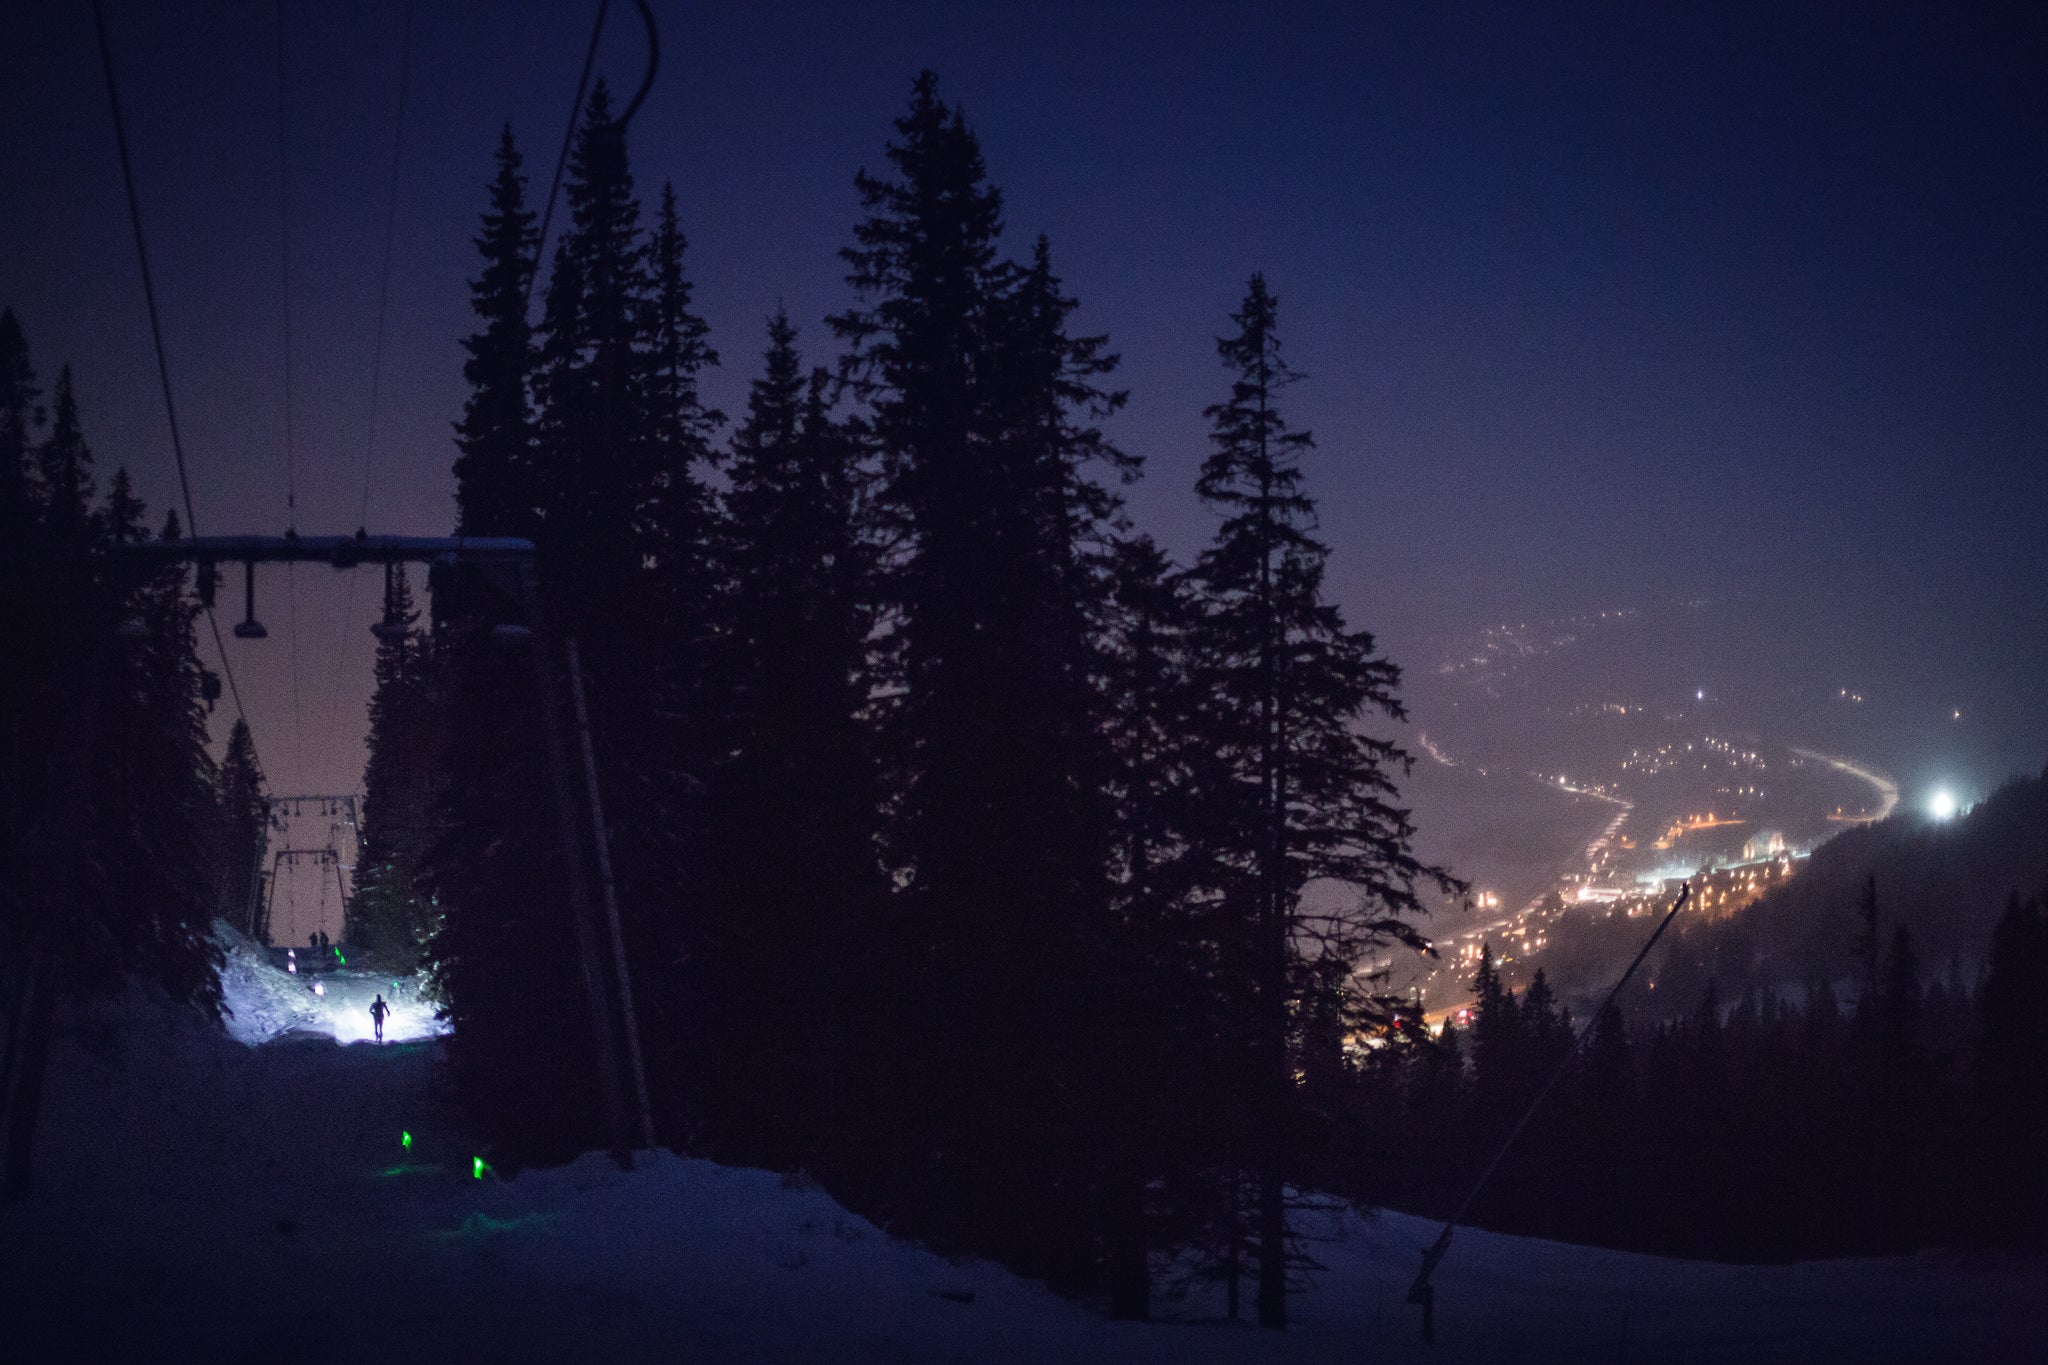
1612,309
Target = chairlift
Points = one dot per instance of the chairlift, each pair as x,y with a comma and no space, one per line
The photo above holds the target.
209,687
347,555
249,628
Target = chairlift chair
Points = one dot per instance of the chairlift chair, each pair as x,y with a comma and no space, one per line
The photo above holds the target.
249,628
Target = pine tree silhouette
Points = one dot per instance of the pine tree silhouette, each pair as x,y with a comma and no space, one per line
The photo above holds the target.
980,409
245,826
389,916
1311,795
792,883
496,490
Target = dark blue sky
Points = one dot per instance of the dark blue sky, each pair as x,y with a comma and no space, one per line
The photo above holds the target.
1613,308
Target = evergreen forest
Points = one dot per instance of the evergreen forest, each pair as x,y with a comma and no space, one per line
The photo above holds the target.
1026,888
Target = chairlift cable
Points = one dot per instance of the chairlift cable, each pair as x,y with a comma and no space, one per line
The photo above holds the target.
653,64
284,283
291,477
348,610
568,140
156,332
1420,1291
384,275
576,115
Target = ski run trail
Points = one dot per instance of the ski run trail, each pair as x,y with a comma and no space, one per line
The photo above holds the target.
245,1196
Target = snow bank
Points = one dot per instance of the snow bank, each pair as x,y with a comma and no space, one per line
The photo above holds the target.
201,1199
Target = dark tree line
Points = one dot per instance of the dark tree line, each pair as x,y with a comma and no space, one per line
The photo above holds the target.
121,838
960,837
390,918
1772,1126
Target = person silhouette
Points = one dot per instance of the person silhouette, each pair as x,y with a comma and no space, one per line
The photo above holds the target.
378,1009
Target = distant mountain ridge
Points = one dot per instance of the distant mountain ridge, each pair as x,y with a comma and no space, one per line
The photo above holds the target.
1946,882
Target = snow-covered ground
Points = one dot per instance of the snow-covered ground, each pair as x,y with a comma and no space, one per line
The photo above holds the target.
199,1199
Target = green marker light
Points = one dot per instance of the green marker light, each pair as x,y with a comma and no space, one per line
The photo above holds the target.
405,1140
477,1167
337,953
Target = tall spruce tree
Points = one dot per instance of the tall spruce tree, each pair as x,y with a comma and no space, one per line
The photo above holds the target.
617,429
158,778
980,407
2011,1070
65,464
245,826
1312,796
107,854
391,916
496,493
792,880
20,419
661,775
518,1055
680,525
681,528
1162,1034
593,388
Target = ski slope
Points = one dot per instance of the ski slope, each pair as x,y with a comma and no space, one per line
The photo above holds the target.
203,1199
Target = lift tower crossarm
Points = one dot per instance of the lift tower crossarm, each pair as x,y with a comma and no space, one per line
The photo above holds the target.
342,552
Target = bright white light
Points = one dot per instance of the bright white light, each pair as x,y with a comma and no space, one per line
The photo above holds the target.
350,1022
1700,695
1942,805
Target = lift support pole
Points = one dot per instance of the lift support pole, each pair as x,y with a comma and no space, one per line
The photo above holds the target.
582,908
1422,1293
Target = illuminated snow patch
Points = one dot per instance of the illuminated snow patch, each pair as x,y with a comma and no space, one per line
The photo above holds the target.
348,1014
264,1003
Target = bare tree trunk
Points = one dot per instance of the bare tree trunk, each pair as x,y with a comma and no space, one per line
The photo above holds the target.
14,978
29,1062
1272,1248
1273,1125
1233,1260
1130,1269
